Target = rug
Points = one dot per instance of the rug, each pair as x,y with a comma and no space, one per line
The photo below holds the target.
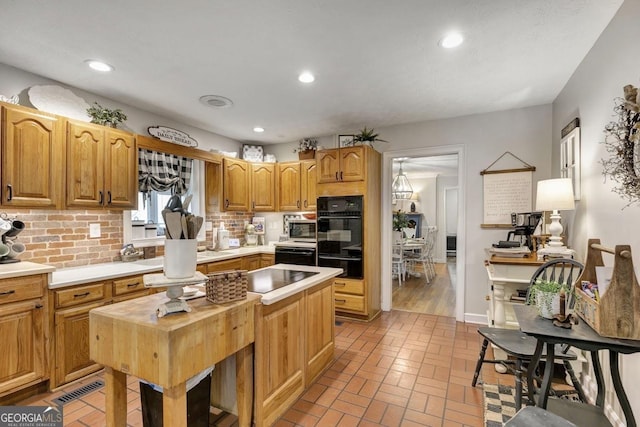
500,403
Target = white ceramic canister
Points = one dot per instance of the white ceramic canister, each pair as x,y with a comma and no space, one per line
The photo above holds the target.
180,258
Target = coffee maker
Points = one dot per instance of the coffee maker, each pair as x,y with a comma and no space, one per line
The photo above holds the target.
525,225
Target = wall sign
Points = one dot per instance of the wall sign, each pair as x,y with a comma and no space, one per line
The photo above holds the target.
172,135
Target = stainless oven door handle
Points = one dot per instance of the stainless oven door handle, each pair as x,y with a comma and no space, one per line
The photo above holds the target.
339,217
340,258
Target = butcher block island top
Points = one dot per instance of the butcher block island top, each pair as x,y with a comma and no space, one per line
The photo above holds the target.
129,338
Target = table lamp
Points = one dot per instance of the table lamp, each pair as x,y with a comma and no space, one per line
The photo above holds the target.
555,195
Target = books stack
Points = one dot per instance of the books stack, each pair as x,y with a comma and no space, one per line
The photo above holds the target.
518,252
520,295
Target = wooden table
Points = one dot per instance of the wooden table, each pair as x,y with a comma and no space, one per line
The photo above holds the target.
581,336
128,338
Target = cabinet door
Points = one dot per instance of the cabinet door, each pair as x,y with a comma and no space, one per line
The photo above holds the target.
308,181
121,170
266,260
263,187
279,357
229,264
85,165
236,185
289,186
352,166
328,163
320,322
213,186
251,262
24,360
32,159
72,360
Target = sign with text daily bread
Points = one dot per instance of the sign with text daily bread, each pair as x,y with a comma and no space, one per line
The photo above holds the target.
172,135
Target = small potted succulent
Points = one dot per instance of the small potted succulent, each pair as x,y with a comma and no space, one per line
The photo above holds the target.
400,221
366,137
105,116
306,148
545,294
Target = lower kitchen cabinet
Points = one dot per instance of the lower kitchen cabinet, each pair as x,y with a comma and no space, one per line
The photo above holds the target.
350,296
267,259
70,330
294,343
23,331
251,262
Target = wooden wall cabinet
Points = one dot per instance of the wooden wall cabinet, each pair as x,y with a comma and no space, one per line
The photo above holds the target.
263,187
23,332
32,158
357,298
294,344
341,164
297,185
236,185
102,167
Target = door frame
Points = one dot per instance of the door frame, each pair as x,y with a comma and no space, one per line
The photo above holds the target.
386,215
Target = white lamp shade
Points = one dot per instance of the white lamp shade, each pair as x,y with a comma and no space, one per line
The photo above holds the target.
555,194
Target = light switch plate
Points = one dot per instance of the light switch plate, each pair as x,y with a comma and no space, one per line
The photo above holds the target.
94,230
208,226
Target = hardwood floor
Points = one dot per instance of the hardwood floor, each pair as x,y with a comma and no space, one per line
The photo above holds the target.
437,297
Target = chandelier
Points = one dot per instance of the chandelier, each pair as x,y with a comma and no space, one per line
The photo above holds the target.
401,188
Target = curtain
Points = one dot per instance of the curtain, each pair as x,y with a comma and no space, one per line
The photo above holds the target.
162,172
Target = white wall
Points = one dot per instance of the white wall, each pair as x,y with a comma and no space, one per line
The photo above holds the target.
14,81
612,63
525,132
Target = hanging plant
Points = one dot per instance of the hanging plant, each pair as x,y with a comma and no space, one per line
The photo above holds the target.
622,140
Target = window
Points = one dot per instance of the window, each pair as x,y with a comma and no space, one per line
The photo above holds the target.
150,212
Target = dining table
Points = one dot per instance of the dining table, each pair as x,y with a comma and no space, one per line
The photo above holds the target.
412,249
583,337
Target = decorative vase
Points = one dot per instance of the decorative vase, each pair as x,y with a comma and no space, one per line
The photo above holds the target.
306,155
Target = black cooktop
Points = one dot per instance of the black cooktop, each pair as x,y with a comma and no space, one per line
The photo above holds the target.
268,280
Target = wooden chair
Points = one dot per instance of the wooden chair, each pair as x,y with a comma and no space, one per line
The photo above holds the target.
520,346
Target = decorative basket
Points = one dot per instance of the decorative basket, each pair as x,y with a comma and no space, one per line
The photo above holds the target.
227,286
306,155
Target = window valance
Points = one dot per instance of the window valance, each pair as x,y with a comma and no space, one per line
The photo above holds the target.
162,172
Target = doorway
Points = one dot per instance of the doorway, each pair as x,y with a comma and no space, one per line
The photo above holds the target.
437,218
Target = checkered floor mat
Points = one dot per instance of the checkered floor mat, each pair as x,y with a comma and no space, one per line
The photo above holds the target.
499,404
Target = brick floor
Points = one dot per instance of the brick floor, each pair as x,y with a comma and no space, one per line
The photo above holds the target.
402,369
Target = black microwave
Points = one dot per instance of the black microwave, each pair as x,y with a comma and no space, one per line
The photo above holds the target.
302,230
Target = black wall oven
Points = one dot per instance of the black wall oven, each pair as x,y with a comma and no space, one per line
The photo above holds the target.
340,234
287,254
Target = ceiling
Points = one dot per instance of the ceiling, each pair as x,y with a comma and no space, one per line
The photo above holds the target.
377,62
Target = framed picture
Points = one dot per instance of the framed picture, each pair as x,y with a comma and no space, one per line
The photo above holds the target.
570,155
252,153
345,141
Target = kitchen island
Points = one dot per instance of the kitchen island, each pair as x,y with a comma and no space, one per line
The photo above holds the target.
294,342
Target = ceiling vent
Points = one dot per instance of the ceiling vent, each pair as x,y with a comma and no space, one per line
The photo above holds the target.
216,101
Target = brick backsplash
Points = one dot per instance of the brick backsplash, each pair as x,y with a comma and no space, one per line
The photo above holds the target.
61,238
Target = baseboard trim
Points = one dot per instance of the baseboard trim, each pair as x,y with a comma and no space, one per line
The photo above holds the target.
480,319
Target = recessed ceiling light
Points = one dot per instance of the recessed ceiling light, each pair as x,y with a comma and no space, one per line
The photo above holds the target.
451,40
99,65
306,77
216,101
258,129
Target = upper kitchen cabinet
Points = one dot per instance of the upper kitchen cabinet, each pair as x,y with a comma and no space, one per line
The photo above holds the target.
263,187
289,186
341,164
236,185
297,185
101,167
32,158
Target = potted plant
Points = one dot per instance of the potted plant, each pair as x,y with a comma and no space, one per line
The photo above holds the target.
106,116
545,294
366,137
400,221
306,148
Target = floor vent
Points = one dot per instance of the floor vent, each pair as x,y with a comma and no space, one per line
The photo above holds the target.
78,393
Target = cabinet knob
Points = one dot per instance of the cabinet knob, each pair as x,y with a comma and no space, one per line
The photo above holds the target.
82,295
39,306
336,176
298,204
226,203
8,292
101,198
109,197
341,301
133,285
305,203
340,175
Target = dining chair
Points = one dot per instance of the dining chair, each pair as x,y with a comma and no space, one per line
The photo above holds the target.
519,346
398,262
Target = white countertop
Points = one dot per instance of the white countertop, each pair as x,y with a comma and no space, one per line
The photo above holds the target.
91,273
23,268
325,273
294,244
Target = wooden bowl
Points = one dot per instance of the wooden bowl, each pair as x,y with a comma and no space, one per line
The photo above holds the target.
309,215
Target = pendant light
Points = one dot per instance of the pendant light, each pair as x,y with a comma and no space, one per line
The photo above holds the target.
401,189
